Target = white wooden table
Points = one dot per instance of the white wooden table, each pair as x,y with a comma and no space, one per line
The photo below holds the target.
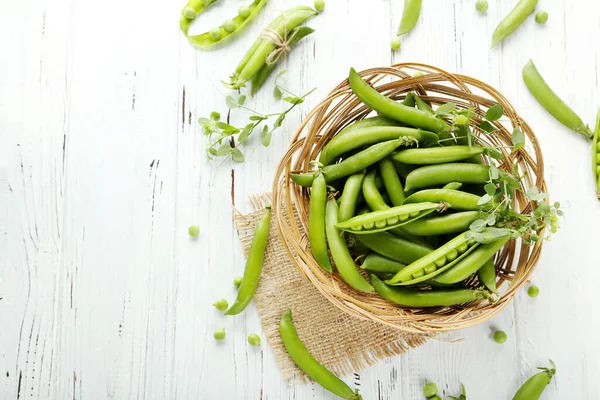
103,295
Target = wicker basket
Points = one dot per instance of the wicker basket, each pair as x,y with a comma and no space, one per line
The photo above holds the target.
514,263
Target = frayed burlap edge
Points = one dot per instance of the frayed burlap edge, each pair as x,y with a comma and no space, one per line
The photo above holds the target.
341,342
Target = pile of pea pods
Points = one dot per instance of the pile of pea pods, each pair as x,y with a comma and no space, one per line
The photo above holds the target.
391,207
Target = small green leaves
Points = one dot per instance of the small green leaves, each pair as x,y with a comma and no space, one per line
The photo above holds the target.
265,136
214,116
534,194
245,133
445,109
461,119
494,113
490,189
494,153
487,127
478,225
294,100
277,94
518,139
237,155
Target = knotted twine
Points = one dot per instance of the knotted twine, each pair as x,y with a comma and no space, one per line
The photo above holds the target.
341,342
282,43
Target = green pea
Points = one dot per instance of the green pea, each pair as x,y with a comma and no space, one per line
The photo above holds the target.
237,281
418,274
369,225
319,5
418,74
541,17
403,217
430,268
440,262
221,305
430,390
462,248
392,220
500,337
461,119
189,12
194,230
380,224
533,291
244,12
219,334
254,339
451,255
229,26
481,5
413,214
215,34
396,43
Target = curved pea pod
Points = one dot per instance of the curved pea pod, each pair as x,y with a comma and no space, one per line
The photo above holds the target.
457,200
443,224
394,247
307,363
378,263
393,109
253,265
426,298
344,263
423,105
316,222
261,76
384,220
513,20
348,200
228,29
533,388
487,275
392,182
437,155
440,174
435,262
452,186
378,120
357,138
191,10
410,16
472,262
596,155
350,165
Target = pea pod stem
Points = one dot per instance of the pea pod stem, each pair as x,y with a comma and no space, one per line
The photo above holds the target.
307,363
393,109
551,102
513,20
410,16
253,265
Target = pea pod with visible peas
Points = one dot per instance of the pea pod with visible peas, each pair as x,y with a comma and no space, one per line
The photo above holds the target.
456,199
393,109
551,102
437,155
191,10
253,265
513,20
316,222
307,363
384,220
394,247
442,225
426,298
256,57
440,174
350,165
472,262
371,135
344,263
533,388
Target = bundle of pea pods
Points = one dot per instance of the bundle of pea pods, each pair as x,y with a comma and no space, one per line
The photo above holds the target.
388,192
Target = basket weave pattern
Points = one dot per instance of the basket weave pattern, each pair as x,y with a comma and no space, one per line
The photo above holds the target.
514,263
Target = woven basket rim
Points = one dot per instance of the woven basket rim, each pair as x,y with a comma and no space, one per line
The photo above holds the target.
515,263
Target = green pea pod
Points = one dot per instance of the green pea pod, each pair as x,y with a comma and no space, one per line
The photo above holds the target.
358,138
472,262
256,57
394,247
442,225
533,388
392,182
393,109
513,20
440,174
410,16
437,155
261,76
377,263
228,29
307,363
253,265
352,164
344,263
596,155
384,220
316,222
409,100
191,10
487,275
457,200
423,106
426,298
349,197
551,102
452,186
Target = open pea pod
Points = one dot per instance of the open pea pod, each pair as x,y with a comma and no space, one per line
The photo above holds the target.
384,220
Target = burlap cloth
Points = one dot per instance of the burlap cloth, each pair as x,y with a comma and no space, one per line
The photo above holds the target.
341,342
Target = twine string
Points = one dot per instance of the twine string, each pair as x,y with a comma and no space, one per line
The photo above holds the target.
282,44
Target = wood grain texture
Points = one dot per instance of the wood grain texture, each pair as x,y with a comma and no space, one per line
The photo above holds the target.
103,295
